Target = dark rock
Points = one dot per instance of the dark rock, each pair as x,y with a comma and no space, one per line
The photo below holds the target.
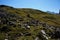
55,34
18,35
5,29
44,24
11,23
34,22
27,34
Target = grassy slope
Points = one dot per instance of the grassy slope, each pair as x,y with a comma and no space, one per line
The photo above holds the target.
51,19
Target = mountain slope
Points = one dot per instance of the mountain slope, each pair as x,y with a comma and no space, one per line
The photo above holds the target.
28,24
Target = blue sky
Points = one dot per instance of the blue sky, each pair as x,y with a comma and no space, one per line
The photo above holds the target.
44,5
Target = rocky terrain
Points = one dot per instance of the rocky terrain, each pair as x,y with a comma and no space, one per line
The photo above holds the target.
28,24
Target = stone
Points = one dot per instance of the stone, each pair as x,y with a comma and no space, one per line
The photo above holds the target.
6,39
27,26
37,38
43,32
45,37
27,34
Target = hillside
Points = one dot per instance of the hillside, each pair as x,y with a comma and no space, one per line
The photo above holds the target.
28,24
